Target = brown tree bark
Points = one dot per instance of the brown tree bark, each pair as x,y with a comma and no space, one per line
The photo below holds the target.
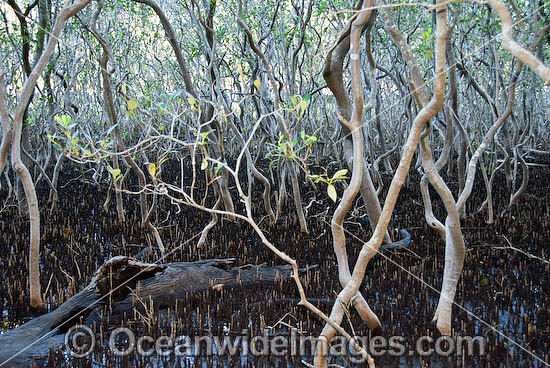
121,283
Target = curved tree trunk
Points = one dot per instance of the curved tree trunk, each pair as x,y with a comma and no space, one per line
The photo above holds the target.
6,127
333,75
370,248
17,164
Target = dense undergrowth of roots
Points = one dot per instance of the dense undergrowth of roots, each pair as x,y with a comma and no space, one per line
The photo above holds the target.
501,288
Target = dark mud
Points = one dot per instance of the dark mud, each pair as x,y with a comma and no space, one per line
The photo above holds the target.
500,288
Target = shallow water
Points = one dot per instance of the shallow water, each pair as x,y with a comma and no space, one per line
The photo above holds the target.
505,289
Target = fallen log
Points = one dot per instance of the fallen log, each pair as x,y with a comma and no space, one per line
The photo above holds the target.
125,284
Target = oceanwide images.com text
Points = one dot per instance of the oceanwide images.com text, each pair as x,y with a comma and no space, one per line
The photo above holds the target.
80,341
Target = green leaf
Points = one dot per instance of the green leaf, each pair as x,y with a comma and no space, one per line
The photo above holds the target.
204,164
114,172
340,174
302,107
132,104
63,120
331,191
218,167
152,169
257,84
311,139
484,281
191,101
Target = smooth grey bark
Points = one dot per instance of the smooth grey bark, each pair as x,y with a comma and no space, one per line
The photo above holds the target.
371,247
333,75
6,126
17,164
508,42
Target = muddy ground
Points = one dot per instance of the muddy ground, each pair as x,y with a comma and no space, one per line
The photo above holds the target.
500,288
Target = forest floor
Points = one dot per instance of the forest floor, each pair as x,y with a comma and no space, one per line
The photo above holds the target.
500,290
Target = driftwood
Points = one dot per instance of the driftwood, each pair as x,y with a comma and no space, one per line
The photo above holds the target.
124,283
